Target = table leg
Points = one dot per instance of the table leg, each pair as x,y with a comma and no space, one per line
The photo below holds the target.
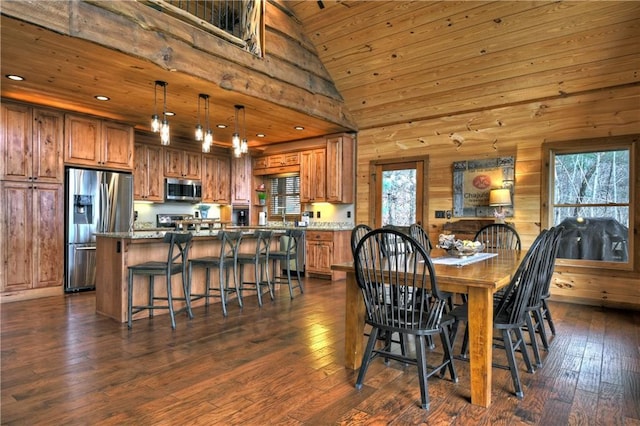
480,344
353,323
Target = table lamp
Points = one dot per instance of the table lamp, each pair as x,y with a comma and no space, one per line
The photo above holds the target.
499,198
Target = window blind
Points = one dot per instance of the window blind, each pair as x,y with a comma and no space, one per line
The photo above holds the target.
285,195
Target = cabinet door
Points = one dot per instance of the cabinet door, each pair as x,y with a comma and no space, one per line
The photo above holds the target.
223,185
117,146
155,178
140,172
319,257
241,179
47,146
16,142
172,162
16,235
48,241
209,178
82,140
340,170
320,164
312,176
192,165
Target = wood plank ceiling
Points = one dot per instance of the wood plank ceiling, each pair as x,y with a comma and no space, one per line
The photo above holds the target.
400,61
392,62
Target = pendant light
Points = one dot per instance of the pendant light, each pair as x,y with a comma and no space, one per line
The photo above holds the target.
235,139
208,136
199,131
156,124
155,120
244,146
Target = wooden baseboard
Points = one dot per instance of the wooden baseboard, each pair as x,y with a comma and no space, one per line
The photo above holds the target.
36,293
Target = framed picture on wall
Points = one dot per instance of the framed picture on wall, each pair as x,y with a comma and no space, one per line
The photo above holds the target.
473,180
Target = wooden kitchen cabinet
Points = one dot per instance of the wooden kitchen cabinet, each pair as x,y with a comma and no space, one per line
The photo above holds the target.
241,180
148,181
32,140
98,143
216,179
31,240
313,168
182,164
276,163
324,248
340,169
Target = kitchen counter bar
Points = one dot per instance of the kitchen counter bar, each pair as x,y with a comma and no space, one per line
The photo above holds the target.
116,251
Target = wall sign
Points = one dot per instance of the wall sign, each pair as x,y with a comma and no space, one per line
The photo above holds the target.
472,181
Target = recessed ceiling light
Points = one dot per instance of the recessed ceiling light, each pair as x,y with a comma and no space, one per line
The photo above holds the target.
170,113
102,98
15,77
299,128
260,135
221,126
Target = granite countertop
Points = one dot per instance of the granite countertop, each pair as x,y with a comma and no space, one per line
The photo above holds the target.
149,233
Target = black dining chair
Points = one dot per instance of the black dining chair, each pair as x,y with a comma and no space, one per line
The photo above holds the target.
499,236
359,231
420,235
401,295
510,313
259,258
226,262
176,263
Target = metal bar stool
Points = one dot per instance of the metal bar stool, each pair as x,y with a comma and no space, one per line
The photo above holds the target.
226,261
179,243
288,252
260,261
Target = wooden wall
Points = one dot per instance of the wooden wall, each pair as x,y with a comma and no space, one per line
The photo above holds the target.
518,130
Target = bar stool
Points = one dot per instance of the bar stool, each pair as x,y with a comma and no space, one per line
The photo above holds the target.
260,261
228,260
176,263
288,252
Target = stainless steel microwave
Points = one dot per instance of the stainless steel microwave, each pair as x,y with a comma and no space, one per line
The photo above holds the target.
183,190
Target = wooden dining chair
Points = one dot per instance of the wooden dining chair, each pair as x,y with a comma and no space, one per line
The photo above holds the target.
401,295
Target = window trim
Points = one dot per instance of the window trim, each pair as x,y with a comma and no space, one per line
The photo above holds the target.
550,149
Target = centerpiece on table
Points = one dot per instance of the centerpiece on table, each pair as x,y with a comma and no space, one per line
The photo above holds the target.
459,248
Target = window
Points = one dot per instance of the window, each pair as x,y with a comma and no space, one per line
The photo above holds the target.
284,196
590,194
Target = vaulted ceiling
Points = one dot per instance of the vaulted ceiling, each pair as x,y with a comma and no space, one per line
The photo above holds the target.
391,62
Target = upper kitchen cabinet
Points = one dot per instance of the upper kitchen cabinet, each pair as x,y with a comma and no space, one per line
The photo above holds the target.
182,164
216,179
241,180
313,166
276,163
147,173
98,143
340,169
31,144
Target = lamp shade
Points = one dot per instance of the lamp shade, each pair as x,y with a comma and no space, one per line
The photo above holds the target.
500,197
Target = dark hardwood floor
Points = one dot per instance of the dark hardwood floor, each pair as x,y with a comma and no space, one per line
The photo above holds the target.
283,364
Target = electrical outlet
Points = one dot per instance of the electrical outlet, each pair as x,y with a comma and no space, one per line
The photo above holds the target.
448,214
318,214
348,215
439,214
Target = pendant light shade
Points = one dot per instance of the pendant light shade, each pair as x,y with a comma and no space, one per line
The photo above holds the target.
206,136
239,146
156,124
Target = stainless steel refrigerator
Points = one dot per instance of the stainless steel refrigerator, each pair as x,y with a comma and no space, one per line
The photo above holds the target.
96,201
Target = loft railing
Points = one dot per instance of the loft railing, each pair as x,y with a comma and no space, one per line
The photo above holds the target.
237,21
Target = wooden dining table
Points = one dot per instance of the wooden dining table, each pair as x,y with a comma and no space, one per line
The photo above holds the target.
478,280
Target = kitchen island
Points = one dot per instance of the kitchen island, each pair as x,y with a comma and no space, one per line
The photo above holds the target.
117,251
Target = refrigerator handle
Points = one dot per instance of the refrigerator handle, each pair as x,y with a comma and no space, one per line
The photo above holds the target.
107,208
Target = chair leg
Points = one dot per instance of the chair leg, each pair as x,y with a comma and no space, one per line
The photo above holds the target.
265,269
421,361
256,271
289,279
538,316
523,349
366,358
511,358
547,316
151,292
223,289
534,340
186,286
448,355
130,299
170,302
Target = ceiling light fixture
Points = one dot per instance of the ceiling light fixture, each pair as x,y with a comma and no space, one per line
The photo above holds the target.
15,77
299,128
199,129
244,145
155,120
235,139
102,97
208,136
164,128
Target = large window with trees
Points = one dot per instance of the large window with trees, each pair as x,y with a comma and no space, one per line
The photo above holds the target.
590,194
